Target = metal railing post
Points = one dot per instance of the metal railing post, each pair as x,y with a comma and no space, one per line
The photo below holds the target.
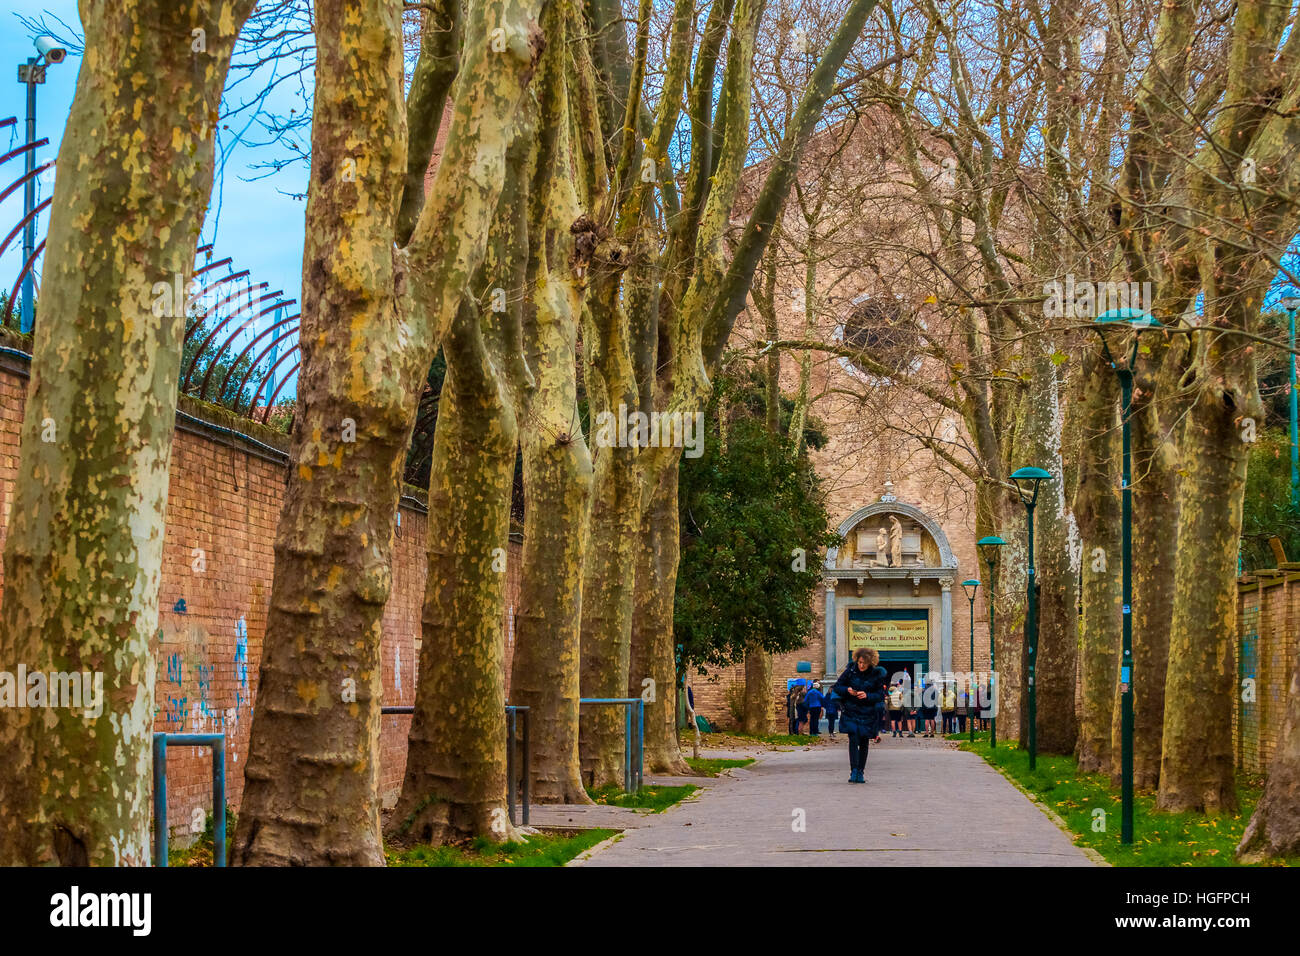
219,803
528,762
629,784
160,799
217,742
510,761
640,746
633,744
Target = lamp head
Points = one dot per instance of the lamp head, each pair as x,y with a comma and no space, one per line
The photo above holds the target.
972,586
1290,303
1133,318
989,545
1027,480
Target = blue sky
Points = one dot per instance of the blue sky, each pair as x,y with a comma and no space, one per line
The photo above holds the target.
259,225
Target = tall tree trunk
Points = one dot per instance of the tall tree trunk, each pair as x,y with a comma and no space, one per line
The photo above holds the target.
1058,628
321,680
1039,442
1196,769
758,662
609,575
1274,829
1008,520
758,691
83,554
376,314
557,462
455,781
1097,507
545,673
658,554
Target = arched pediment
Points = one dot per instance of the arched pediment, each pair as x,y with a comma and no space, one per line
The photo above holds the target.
880,510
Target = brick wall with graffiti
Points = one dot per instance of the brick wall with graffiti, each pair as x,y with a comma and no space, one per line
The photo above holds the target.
223,506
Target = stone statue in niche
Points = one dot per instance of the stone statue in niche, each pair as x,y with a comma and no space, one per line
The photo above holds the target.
882,548
895,541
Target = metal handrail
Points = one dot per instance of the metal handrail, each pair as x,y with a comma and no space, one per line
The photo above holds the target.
511,712
218,744
633,757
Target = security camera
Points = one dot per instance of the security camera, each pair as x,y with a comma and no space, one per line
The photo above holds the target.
51,49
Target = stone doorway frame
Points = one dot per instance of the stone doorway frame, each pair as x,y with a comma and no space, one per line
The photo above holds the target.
848,588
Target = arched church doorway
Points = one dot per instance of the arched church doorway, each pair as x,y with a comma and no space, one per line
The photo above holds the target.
889,587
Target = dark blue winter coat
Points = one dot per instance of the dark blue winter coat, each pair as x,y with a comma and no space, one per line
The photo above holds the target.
860,714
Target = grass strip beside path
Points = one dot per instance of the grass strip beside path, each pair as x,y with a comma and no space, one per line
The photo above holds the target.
711,766
654,798
1090,808
542,849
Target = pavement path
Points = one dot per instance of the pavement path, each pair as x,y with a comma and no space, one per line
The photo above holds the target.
924,804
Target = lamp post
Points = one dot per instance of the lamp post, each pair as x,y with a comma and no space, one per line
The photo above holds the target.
989,545
972,587
1136,320
31,74
1291,303
1027,482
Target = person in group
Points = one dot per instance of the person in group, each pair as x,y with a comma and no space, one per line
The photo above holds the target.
948,702
832,708
862,687
987,703
815,699
792,699
896,708
880,716
963,708
978,698
929,706
801,708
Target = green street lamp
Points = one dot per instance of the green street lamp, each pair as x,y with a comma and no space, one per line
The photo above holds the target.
1027,482
1135,320
989,545
972,587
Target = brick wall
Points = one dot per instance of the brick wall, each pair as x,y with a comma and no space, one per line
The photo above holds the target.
223,506
1268,612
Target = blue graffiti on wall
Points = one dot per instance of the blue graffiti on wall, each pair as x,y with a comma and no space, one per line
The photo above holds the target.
241,662
175,709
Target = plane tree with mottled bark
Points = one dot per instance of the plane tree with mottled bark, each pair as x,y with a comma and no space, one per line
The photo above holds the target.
83,550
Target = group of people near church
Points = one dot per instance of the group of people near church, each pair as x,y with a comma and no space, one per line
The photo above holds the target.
930,709
865,703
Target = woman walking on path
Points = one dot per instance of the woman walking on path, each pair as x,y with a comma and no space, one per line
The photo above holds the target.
862,687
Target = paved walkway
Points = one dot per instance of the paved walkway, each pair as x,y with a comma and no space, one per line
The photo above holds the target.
924,804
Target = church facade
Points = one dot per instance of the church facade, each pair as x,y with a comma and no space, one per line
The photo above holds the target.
895,465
